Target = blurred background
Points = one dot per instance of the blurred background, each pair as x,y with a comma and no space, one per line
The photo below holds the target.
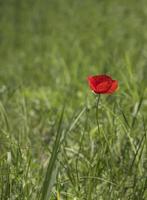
58,43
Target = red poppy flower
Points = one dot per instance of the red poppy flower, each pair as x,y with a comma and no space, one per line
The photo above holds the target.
102,84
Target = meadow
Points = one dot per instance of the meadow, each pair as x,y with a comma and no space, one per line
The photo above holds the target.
50,146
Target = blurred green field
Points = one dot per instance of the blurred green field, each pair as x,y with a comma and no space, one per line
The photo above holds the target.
47,50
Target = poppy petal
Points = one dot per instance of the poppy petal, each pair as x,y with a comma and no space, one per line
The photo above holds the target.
113,87
100,78
100,83
91,82
103,87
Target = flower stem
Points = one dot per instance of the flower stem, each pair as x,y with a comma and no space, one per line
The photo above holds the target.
97,112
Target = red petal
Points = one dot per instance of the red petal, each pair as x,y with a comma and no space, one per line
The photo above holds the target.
103,87
100,78
91,82
100,83
113,87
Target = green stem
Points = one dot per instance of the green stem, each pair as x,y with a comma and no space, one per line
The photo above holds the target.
97,112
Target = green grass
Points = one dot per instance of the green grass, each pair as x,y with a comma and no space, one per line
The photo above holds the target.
48,48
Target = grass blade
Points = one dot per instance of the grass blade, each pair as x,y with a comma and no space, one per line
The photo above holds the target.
51,169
